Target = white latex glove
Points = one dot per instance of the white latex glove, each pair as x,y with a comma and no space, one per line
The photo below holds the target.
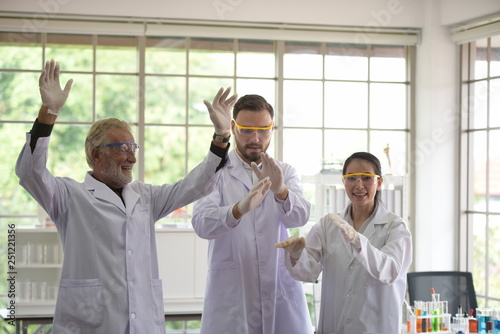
293,245
350,234
220,110
271,169
53,97
255,196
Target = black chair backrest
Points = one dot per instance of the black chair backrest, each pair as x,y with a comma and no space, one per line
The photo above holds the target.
453,286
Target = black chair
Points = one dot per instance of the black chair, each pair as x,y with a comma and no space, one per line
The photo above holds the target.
453,286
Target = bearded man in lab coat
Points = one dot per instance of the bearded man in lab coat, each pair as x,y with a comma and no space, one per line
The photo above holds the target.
109,281
248,287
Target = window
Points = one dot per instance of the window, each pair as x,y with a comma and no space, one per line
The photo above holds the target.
480,135
330,98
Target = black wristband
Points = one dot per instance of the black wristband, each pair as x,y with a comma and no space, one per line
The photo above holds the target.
221,139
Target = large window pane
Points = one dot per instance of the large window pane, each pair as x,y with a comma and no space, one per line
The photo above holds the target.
481,61
303,60
479,252
67,151
79,105
116,96
479,105
204,89
494,109
303,103
495,59
116,54
209,56
307,160
164,154
73,52
346,62
165,100
14,200
388,106
494,256
340,144
165,55
346,105
479,145
388,64
22,51
20,95
390,148
255,59
264,88
494,172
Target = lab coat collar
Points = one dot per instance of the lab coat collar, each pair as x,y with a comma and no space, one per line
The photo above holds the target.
236,169
103,192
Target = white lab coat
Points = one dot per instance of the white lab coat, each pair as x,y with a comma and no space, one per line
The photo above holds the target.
249,290
362,291
109,282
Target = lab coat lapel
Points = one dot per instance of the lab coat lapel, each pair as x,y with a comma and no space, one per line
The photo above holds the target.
237,171
102,191
130,197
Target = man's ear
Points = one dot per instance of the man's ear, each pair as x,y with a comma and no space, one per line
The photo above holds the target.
96,154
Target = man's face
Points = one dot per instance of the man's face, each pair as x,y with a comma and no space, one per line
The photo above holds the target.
250,143
112,166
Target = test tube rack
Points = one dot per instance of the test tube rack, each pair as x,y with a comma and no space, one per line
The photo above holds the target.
430,324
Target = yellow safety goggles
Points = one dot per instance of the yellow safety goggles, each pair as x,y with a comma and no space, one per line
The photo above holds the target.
249,130
353,178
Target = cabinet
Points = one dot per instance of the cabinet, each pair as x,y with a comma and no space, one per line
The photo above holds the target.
38,264
182,258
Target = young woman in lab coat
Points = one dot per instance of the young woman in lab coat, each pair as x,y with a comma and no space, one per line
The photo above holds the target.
364,255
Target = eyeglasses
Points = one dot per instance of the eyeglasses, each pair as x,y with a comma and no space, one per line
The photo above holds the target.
249,130
365,178
124,148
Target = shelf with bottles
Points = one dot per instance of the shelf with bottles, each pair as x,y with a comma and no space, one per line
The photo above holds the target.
39,259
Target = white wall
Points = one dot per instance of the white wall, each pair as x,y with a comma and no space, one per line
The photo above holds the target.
436,139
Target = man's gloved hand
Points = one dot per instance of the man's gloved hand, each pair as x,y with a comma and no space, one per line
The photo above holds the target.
350,234
271,169
220,110
53,97
293,245
255,196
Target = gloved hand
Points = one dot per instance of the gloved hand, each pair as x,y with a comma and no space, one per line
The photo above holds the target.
271,169
53,97
293,245
220,110
350,234
255,196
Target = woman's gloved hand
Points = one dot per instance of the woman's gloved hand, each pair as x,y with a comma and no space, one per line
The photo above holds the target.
350,234
293,245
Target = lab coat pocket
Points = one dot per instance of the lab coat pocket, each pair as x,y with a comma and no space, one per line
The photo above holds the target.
158,310
222,285
145,219
79,303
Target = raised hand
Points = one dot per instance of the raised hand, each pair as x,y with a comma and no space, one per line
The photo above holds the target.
349,233
53,97
271,169
220,110
254,197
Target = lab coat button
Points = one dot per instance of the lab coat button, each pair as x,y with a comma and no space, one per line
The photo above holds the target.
131,283
132,315
129,252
